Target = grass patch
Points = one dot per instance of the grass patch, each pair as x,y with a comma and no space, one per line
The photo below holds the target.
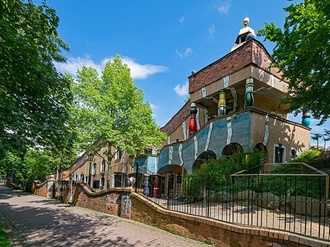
4,239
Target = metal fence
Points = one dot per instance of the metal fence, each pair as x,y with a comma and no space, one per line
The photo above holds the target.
260,198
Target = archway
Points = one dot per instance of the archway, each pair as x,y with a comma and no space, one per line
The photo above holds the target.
202,159
260,147
232,148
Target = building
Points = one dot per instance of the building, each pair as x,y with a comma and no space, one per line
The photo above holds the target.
101,169
233,106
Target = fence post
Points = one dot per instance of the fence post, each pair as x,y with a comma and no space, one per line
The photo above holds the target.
208,185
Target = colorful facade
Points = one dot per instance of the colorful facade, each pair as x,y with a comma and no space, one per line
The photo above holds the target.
234,106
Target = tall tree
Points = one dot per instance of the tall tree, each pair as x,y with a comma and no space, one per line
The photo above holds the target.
110,108
302,53
34,97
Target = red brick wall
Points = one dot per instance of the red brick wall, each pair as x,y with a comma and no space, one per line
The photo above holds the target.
251,52
209,230
106,201
195,227
39,189
177,119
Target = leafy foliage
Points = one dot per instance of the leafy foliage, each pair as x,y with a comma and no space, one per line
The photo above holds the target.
302,53
215,175
4,239
36,164
11,165
307,156
110,108
33,96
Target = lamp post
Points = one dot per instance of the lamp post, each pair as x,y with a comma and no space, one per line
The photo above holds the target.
90,158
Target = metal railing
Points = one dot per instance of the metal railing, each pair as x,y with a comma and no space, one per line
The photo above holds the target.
294,203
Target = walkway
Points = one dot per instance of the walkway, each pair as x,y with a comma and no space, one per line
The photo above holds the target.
36,221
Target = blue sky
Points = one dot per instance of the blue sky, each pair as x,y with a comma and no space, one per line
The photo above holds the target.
161,41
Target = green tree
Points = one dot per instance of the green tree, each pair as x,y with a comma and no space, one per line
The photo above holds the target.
302,53
110,109
39,163
34,97
11,165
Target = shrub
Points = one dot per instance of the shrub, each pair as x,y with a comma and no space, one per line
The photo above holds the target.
215,174
307,156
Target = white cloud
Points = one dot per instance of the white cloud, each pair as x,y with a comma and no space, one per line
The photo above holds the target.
184,54
73,64
142,71
223,8
138,71
181,90
153,107
211,31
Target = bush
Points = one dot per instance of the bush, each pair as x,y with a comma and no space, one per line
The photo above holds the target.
307,156
215,174
4,239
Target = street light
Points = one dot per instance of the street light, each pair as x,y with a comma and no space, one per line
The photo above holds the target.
90,158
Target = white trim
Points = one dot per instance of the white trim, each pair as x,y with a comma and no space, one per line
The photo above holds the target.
203,91
196,146
229,130
226,81
266,130
207,144
180,154
170,154
197,121
184,130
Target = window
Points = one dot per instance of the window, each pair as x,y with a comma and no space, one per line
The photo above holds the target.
96,184
118,180
279,153
102,180
94,169
119,154
293,153
103,165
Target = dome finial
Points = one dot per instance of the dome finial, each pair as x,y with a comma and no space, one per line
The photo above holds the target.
246,21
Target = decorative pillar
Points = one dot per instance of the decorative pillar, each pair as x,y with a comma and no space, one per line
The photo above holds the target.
222,103
249,98
192,121
306,117
70,188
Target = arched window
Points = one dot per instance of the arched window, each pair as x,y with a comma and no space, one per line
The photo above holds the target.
232,148
262,148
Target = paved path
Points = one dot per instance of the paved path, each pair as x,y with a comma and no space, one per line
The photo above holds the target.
36,221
